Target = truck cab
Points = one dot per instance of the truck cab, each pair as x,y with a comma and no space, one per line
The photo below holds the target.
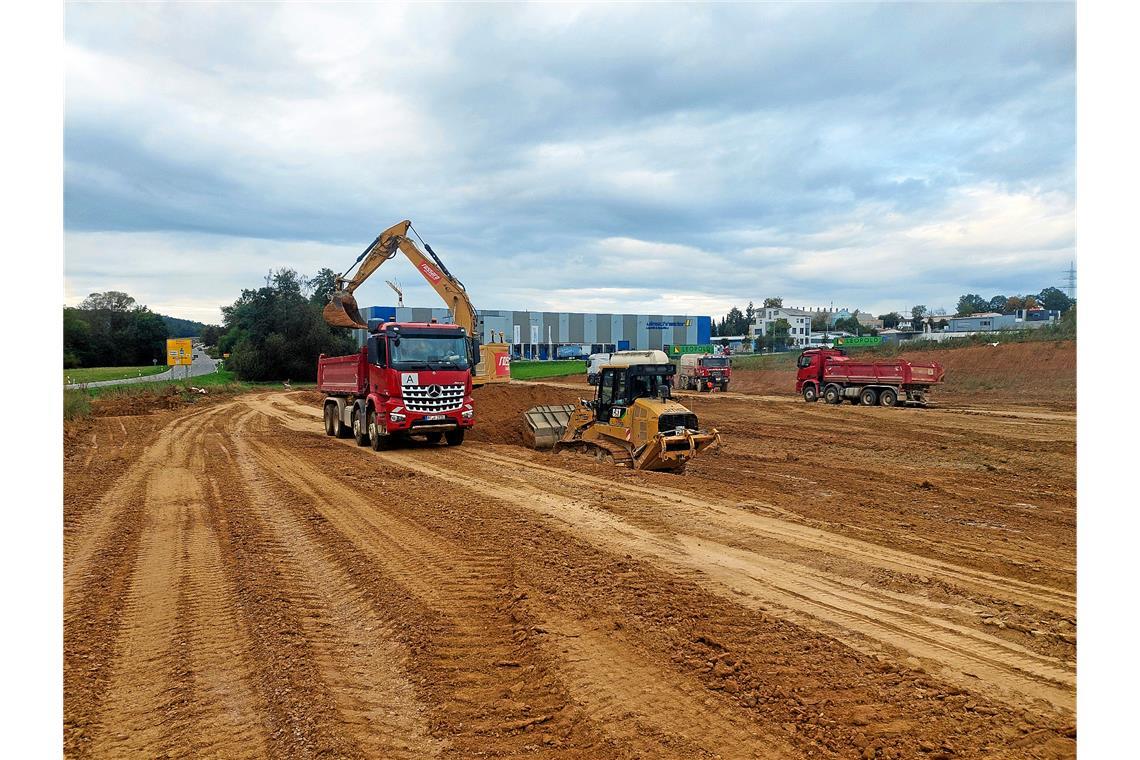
409,379
704,372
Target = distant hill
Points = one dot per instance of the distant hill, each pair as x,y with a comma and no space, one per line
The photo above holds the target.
182,328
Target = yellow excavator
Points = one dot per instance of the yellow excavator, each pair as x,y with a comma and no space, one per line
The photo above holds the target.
494,359
631,421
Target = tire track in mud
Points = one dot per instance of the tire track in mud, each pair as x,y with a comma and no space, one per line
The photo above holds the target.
453,580
963,658
178,661
101,555
969,658
516,503
735,519
360,656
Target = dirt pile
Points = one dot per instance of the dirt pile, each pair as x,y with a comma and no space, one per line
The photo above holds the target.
499,409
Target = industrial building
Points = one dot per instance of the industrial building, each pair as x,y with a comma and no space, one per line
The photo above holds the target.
540,334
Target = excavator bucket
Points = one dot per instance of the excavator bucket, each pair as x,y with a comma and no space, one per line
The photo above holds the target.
544,425
342,311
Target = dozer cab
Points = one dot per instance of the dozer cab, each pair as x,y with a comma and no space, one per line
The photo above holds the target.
632,420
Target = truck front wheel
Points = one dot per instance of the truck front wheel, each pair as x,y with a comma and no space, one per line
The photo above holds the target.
359,431
811,394
888,397
378,441
454,437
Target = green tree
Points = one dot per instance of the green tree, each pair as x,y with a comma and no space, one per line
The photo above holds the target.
917,312
998,304
971,303
112,300
849,324
211,334
276,332
778,335
773,303
891,320
749,317
1054,298
321,286
734,322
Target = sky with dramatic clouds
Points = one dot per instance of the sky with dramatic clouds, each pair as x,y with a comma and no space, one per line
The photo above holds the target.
625,158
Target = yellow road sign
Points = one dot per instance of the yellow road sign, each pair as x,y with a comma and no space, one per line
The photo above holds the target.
179,351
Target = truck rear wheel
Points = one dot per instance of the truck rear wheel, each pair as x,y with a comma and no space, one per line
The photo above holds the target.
454,437
888,397
330,419
868,397
359,431
811,394
832,394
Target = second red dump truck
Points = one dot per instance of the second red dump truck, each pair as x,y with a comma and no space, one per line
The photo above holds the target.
411,378
830,374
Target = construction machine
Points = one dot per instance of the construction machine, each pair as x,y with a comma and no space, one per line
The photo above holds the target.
493,360
632,419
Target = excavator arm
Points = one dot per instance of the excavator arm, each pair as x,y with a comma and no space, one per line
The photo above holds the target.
342,309
492,361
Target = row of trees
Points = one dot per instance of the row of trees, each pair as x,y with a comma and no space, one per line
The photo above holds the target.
1053,299
277,331
110,330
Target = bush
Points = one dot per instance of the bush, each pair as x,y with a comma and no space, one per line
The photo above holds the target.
76,404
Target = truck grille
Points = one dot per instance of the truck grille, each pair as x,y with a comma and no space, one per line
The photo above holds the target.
432,398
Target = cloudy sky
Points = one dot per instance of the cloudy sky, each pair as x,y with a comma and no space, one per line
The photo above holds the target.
637,158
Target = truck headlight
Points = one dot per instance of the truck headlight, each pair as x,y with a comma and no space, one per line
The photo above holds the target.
468,414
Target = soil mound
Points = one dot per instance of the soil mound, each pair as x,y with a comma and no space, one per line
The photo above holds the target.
499,410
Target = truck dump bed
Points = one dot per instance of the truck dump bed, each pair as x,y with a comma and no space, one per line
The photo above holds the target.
340,375
841,369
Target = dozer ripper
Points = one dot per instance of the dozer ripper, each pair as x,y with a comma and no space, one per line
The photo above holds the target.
632,420
492,360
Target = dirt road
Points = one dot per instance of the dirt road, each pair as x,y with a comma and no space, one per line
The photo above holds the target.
838,582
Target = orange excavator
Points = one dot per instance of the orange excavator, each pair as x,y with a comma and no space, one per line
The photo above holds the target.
494,359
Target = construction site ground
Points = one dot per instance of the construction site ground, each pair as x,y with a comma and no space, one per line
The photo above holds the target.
838,581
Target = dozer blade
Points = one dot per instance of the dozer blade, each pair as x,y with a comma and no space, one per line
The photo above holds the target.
670,451
544,425
342,311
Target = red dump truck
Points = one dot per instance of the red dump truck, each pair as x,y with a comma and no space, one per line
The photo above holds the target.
409,379
830,374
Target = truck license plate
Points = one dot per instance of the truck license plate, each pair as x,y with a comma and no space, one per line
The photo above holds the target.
435,417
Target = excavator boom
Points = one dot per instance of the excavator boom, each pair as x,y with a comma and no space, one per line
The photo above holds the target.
343,311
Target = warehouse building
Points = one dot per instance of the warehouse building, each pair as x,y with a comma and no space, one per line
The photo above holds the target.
541,334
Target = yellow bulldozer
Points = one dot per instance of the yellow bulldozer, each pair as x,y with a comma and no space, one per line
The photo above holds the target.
632,419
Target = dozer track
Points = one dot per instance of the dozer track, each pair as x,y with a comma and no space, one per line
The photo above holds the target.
602,449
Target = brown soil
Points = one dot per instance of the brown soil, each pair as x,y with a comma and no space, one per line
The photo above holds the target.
839,582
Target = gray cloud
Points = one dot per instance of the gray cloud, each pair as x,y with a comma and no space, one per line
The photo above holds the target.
875,155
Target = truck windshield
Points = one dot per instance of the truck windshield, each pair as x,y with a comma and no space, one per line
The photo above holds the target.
715,361
429,352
